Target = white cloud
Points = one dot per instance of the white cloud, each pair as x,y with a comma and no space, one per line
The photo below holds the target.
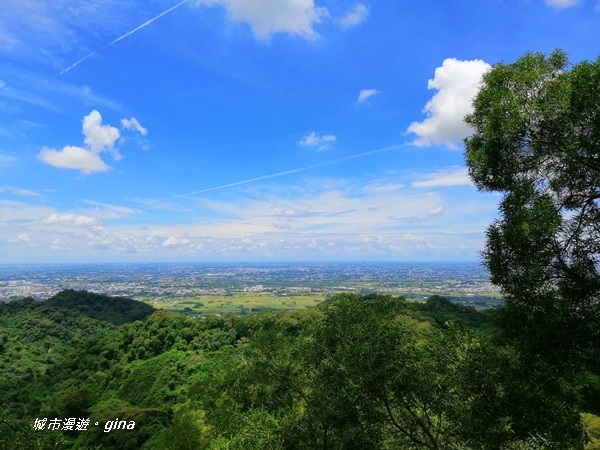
71,157
560,4
355,16
2,83
346,210
133,124
365,94
70,219
312,219
457,82
314,139
267,17
453,176
98,138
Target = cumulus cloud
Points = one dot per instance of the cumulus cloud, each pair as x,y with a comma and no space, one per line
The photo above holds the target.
71,157
456,82
316,140
355,16
133,124
560,4
267,17
452,176
365,94
70,219
98,138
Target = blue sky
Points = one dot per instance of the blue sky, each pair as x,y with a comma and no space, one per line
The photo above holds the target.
250,130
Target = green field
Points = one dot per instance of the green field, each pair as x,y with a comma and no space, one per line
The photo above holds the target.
238,302
245,302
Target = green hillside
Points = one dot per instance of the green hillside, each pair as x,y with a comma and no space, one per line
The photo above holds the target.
358,372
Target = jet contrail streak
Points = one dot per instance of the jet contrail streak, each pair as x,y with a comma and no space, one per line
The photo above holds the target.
129,33
288,172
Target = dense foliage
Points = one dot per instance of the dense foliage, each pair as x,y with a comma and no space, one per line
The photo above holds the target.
362,372
537,141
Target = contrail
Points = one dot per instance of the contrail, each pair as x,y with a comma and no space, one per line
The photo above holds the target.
129,33
289,172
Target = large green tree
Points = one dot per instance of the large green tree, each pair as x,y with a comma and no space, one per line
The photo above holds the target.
536,140
367,376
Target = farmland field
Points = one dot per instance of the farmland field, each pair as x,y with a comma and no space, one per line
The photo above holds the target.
237,302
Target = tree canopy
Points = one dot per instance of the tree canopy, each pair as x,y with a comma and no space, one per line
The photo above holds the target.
536,139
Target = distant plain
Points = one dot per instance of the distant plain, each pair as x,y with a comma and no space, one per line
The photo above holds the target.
198,289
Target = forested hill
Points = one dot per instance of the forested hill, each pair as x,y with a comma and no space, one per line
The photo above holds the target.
116,310
368,372
36,336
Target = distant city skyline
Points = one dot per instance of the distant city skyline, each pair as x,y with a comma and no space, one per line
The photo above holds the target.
234,130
